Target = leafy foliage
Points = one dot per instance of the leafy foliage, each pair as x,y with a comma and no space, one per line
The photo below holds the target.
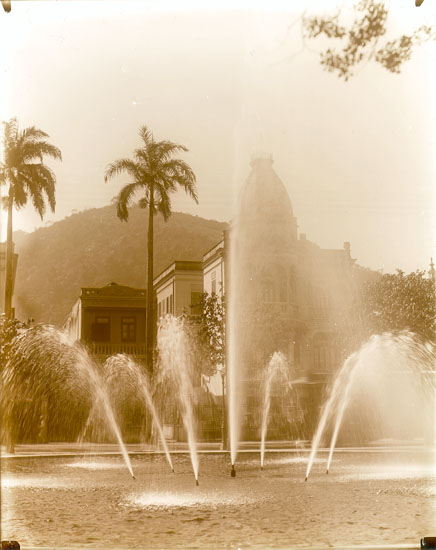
211,331
362,39
399,302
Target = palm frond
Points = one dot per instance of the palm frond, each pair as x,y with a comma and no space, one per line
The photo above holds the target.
181,175
122,165
18,191
10,131
146,135
164,205
144,201
162,151
31,134
41,181
125,199
165,183
32,150
38,203
143,159
3,177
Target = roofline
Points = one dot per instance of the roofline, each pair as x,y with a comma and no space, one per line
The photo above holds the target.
178,265
210,253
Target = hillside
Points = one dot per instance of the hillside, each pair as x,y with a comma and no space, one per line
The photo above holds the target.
94,248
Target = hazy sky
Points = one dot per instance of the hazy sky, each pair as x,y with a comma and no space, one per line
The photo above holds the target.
357,157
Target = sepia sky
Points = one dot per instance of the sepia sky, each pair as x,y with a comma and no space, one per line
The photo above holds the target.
230,82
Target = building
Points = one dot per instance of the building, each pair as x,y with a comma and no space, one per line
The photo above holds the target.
179,288
109,320
287,294
214,265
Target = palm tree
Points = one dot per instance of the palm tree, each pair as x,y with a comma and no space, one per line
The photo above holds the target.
156,174
26,174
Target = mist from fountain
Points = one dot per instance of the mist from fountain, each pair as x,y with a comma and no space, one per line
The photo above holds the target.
276,371
392,375
174,365
260,290
123,372
45,362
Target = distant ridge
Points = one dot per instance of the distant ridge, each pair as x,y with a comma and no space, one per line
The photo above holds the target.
93,248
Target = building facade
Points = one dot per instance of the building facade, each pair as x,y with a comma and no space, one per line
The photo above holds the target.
110,320
178,289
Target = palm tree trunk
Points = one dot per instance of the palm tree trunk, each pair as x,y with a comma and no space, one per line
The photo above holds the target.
9,282
150,293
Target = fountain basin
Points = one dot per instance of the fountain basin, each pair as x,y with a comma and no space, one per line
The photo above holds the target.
370,497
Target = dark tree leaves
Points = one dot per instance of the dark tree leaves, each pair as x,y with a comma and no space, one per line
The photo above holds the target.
401,302
362,39
211,330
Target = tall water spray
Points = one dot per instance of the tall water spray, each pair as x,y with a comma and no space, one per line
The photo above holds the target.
46,361
233,388
391,375
276,371
175,366
260,290
124,372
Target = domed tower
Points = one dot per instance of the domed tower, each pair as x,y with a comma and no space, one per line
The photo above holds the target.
265,237
265,212
264,252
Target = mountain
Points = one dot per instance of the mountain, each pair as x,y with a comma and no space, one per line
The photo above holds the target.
94,248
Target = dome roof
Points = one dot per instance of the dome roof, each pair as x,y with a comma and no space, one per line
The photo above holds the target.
265,200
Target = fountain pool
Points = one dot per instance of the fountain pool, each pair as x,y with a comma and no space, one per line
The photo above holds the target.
371,497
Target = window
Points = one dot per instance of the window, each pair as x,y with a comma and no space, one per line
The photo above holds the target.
171,304
101,329
128,329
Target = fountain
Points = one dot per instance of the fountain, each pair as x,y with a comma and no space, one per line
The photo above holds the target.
45,364
256,510
389,385
122,371
174,366
260,293
394,376
276,371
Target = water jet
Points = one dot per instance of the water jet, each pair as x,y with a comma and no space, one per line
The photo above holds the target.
277,371
174,367
391,376
123,371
